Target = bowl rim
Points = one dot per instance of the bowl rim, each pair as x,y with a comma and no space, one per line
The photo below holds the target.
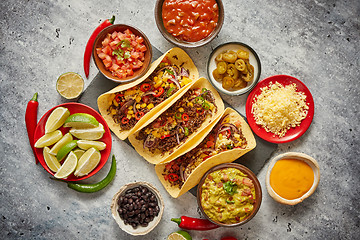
120,222
297,156
243,90
249,174
173,40
102,35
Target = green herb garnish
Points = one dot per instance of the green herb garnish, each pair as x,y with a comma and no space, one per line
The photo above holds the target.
230,202
230,187
127,54
169,71
124,43
229,146
186,132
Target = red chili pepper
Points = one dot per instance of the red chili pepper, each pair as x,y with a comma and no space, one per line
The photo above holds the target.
165,136
185,117
31,121
209,144
190,223
139,115
173,177
145,87
124,120
118,97
90,43
201,112
160,92
228,238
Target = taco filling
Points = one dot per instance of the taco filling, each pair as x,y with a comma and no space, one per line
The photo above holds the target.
129,106
223,137
178,122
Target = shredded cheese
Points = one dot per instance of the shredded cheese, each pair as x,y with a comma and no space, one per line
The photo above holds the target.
278,108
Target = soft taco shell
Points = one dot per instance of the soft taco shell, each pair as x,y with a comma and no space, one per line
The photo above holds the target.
222,157
177,57
183,147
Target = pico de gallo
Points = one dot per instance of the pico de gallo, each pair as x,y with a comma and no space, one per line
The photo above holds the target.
122,53
178,122
223,137
127,107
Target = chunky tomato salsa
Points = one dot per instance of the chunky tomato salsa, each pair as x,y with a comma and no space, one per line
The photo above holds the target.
190,20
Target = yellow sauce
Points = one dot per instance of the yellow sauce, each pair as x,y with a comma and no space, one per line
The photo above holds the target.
291,178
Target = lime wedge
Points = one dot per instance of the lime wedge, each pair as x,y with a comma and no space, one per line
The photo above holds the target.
50,160
70,85
79,152
88,161
179,235
64,140
64,150
88,133
86,144
48,139
81,120
56,119
68,167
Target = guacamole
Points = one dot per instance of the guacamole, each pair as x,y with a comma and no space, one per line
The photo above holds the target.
228,195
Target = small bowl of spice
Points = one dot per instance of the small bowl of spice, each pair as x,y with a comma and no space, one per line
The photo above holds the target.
292,177
122,53
137,208
234,68
189,23
229,195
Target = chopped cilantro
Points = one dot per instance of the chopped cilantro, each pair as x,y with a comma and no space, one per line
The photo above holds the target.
230,187
230,202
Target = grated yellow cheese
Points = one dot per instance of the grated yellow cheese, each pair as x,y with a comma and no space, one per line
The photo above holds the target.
278,108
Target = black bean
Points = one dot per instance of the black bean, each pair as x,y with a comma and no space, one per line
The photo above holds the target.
153,198
147,212
131,208
130,201
151,211
143,209
137,211
144,224
152,204
131,213
147,220
142,216
134,197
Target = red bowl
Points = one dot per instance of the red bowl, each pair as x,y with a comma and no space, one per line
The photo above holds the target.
292,133
74,108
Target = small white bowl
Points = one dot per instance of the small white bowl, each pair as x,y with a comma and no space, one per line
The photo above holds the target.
253,59
298,156
128,228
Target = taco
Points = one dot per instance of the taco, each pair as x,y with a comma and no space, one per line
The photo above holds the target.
164,138
229,139
128,107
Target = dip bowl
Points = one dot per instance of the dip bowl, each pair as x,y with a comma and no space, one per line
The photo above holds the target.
139,230
296,156
99,63
168,36
249,174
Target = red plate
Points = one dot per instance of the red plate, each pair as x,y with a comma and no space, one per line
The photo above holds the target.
292,133
75,108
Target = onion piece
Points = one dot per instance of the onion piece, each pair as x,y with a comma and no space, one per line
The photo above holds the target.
148,93
184,72
126,105
231,126
177,138
182,169
134,107
176,82
149,142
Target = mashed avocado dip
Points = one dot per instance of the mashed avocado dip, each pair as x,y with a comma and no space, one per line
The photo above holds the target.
228,195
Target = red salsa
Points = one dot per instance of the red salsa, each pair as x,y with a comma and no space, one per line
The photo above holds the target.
190,20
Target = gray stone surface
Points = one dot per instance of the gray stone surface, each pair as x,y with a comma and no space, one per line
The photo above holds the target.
314,41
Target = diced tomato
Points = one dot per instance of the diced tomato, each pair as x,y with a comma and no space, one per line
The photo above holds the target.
98,50
102,55
139,39
143,48
114,35
137,65
107,50
114,43
105,42
129,72
209,144
114,67
135,55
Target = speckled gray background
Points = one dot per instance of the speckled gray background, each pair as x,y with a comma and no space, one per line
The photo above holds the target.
314,41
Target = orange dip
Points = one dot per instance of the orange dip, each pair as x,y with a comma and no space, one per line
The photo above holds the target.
291,178
190,20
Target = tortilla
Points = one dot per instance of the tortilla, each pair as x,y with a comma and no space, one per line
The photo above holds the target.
177,57
206,164
159,157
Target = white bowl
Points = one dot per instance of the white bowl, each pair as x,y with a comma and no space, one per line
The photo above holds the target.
253,59
128,228
298,156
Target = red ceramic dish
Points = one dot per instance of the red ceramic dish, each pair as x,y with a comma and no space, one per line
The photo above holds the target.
292,133
75,108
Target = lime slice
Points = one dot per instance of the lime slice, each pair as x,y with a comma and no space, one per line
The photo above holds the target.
56,119
50,160
70,85
179,235
48,139
79,152
68,167
64,140
88,133
81,120
86,144
88,161
64,150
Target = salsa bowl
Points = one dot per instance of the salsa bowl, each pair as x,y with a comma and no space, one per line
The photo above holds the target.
122,53
229,195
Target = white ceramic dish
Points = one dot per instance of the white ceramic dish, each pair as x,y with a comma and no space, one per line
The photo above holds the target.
128,228
253,58
298,156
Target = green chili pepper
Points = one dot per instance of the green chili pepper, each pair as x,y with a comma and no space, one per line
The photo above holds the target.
204,90
206,106
168,93
199,100
186,131
169,71
90,188
178,115
230,202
